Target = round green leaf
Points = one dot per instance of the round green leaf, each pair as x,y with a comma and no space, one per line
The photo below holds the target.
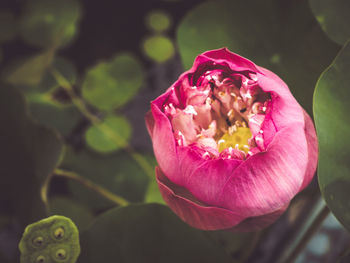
146,233
8,26
110,135
111,84
158,21
333,16
331,111
117,173
79,213
50,23
159,48
285,38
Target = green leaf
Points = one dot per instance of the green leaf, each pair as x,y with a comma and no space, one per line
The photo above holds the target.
283,37
29,72
54,239
117,173
50,23
65,68
146,233
53,114
8,26
158,21
79,213
238,245
159,48
51,108
110,135
153,194
333,16
28,154
331,111
111,84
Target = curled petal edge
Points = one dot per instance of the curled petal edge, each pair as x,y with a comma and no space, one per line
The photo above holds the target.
225,56
193,212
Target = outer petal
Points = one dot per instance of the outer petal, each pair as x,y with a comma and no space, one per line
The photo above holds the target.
205,179
149,123
312,146
285,109
163,143
224,56
168,97
193,212
267,181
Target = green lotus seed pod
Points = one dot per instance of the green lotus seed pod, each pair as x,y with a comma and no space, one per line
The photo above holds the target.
52,240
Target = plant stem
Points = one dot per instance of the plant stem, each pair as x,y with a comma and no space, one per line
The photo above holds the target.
92,186
116,138
44,192
311,230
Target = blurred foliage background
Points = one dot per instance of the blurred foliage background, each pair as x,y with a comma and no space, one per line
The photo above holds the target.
77,77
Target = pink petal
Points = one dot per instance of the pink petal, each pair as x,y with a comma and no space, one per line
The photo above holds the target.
197,97
312,146
285,110
192,211
269,129
205,179
267,181
149,123
168,97
184,123
208,143
164,143
203,117
226,57
255,123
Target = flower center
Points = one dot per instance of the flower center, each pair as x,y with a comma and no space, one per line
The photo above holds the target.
237,140
222,114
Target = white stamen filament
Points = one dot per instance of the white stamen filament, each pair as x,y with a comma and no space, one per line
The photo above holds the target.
190,110
221,141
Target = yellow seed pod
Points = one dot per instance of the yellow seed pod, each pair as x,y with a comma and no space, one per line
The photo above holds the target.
53,239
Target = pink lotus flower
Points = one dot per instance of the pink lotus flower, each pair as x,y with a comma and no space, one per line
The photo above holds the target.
232,143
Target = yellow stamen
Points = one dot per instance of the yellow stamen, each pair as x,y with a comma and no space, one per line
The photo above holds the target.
238,140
